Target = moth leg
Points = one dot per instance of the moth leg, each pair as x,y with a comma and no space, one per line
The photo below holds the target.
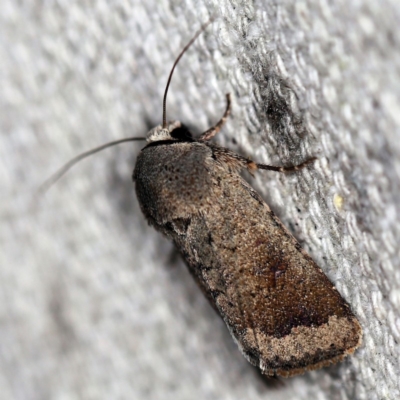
210,133
253,166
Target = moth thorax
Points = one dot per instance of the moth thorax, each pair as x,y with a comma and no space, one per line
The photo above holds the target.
159,133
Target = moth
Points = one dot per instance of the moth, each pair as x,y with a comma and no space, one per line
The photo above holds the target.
282,311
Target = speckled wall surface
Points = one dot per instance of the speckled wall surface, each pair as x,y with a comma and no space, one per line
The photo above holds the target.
94,303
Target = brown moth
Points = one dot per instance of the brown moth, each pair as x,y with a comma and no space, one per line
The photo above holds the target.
283,312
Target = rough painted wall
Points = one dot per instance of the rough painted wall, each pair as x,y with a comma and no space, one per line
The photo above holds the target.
94,303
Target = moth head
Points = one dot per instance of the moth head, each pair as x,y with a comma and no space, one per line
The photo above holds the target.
174,130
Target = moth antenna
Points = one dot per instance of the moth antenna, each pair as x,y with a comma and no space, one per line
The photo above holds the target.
201,30
48,183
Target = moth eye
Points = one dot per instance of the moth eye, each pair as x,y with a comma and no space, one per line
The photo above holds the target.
181,133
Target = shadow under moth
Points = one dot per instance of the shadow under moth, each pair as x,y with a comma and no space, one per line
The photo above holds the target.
282,311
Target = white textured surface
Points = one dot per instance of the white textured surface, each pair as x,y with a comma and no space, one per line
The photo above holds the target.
95,304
